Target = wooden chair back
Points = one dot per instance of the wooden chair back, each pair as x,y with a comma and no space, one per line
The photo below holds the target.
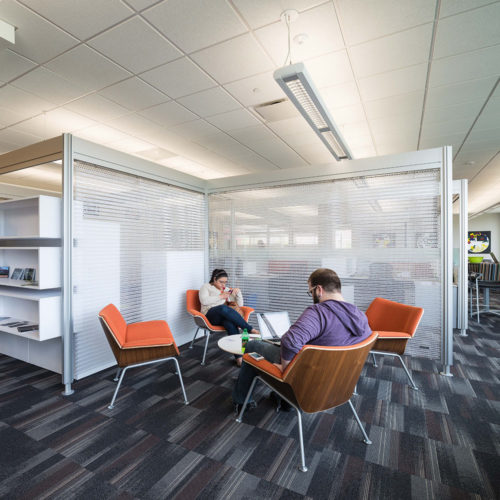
388,316
325,377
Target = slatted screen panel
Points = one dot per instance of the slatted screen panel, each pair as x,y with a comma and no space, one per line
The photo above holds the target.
138,244
380,233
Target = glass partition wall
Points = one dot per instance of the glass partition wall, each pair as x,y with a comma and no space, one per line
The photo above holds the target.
381,233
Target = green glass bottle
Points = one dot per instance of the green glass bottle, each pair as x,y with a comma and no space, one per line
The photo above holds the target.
244,340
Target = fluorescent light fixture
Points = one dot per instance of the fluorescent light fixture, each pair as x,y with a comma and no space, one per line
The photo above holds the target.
7,32
298,86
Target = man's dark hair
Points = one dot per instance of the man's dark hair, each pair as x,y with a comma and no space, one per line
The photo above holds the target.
327,278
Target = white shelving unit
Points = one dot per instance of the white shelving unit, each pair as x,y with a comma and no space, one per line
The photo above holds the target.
30,231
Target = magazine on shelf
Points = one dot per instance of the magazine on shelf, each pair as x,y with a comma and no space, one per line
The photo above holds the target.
29,274
17,274
4,271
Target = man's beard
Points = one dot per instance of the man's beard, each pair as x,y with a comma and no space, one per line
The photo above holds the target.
315,297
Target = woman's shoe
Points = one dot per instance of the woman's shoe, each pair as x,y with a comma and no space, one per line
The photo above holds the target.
239,361
279,403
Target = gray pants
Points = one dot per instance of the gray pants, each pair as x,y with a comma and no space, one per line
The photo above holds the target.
247,372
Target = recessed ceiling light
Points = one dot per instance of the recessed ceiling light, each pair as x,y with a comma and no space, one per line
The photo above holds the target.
301,38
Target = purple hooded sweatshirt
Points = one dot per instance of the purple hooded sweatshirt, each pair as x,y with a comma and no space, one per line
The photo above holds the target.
329,323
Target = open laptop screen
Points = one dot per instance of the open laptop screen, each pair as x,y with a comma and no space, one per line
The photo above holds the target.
273,325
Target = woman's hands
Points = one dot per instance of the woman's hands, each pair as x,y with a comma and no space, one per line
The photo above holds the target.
236,291
225,295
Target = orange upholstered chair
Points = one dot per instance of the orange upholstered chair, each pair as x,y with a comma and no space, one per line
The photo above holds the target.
138,344
395,324
317,379
193,307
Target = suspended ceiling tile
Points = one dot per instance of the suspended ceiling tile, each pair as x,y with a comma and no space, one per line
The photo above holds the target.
252,136
21,102
330,69
195,129
86,68
232,120
410,103
473,157
319,23
466,171
447,95
362,20
452,7
13,65
134,94
277,152
97,107
102,134
168,114
396,145
392,52
447,127
130,144
17,139
348,114
473,65
36,38
256,163
261,12
234,59
395,82
54,123
8,116
192,24
178,78
82,19
477,28
491,135
226,146
141,4
345,94
49,85
138,126
356,134
363,151
255,89
456,112
210,102
136,46
490,116
435,140
291,126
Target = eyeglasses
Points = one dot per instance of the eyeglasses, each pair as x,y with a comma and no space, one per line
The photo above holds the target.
310,292
222,282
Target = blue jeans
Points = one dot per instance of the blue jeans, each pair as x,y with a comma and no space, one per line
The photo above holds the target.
228,318
247,373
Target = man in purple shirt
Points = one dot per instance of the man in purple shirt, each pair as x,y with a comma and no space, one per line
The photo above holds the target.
329,322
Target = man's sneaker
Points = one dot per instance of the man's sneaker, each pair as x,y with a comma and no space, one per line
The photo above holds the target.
251,405
280,404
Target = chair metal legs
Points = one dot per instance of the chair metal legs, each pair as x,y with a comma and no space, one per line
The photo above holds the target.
112,404
117,374
207,336
303,466
366,438
374,359
384,353
194,338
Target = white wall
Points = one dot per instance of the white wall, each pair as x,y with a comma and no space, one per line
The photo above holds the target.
486,222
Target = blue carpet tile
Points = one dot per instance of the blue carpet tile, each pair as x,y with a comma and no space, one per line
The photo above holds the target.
439,442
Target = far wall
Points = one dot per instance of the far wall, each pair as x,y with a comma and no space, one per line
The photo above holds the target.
486,222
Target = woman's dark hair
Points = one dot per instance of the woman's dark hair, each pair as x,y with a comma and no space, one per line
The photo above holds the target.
327,278
217,274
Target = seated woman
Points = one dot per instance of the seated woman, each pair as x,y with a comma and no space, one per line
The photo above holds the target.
213,298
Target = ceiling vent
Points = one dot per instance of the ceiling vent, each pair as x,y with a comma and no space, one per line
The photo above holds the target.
277,110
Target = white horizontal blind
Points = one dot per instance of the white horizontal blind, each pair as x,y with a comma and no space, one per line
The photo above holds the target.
379,233
138,244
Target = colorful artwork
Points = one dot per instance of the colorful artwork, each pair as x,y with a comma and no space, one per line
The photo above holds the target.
479,241
384,240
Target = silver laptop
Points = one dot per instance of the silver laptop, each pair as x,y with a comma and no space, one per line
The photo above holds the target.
273,325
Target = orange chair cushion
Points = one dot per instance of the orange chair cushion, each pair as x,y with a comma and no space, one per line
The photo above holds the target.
393,335
115,321
265,366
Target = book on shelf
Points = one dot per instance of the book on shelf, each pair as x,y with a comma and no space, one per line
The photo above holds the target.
4,271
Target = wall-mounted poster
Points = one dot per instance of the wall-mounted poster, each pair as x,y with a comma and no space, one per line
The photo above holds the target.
384,240
479,241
